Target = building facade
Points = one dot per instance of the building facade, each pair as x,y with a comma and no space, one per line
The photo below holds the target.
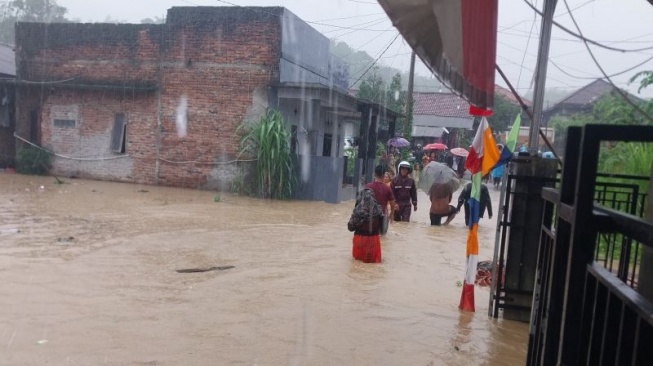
163,103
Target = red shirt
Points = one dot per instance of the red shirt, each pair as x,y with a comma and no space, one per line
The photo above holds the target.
382,194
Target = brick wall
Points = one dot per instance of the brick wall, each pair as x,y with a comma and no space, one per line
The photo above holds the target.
220,60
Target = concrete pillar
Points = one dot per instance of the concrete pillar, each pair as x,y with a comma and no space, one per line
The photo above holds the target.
525,217
646,266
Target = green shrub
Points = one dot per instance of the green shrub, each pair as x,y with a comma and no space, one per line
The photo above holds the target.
269,142
33,161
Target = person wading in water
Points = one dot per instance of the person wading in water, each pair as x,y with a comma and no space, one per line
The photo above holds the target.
383,195
405,192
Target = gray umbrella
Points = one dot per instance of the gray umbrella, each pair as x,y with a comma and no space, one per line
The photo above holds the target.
438,173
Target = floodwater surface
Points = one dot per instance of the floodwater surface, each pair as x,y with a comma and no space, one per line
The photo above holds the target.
88,275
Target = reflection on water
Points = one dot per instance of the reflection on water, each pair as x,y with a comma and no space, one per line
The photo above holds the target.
90,268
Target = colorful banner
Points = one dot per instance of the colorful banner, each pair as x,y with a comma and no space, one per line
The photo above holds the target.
483,156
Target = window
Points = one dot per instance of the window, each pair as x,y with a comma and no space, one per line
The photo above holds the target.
293,139
326,147
118,134
64,123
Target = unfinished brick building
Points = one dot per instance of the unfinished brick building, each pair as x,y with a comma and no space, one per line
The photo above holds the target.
106,98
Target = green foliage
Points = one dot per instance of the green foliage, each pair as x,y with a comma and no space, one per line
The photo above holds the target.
372,88
43,11
391,96
359,61
503,114
647,79
217,198
32,161
269,142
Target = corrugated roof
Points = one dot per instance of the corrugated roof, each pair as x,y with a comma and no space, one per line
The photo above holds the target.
440,104
7,60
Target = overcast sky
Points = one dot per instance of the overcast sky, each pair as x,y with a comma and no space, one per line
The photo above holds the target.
619,23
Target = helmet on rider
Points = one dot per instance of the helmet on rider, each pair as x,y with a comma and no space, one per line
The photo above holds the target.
404,164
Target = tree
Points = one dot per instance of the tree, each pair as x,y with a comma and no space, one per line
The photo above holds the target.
359,61
503,115
647,79
372,87
43,11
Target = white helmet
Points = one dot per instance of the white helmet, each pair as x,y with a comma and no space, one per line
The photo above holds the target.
404,164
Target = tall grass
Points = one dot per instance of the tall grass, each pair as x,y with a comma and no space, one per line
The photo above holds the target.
632,158
269,142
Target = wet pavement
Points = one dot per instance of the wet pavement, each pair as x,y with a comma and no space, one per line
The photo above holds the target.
89,277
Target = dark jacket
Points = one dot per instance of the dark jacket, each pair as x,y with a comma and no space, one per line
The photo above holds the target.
404,189
486,201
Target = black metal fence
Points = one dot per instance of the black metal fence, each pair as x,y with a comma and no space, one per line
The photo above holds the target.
614,251
587,309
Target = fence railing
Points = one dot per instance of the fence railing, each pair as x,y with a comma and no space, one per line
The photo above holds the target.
587,307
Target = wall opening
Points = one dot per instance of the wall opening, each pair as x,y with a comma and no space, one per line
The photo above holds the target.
118,134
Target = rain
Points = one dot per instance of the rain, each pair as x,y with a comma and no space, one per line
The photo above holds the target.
189,181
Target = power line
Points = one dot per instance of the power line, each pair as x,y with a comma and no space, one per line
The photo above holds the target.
351,17
368,24
375,61
623,95
526,48
377,56
363,2
308,21
531,70
612,75
591,77
585,40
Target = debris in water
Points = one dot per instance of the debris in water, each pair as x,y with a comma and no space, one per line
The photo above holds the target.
142,191
42,341
456,348
66,240
216,198
195,270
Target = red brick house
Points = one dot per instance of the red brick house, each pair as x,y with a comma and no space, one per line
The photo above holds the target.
106,98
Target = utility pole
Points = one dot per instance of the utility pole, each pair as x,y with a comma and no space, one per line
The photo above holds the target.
408,125
540,75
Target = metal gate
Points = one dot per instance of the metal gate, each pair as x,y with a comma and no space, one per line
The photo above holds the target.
587,308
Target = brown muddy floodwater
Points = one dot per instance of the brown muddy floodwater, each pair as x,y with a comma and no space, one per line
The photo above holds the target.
88,277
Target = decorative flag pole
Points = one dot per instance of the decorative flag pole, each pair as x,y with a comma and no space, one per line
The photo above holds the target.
483,156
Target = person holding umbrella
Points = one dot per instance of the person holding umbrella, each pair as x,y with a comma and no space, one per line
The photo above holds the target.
439,181
404,191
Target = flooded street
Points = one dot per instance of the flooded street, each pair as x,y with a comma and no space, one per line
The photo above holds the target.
88,273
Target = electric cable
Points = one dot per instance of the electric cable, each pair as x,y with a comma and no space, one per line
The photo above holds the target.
580,36
375,61
621,92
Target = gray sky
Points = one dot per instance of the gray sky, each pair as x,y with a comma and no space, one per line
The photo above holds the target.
619,23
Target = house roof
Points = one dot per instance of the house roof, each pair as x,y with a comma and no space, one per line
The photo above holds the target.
589,94
507,94
7,60
440,104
